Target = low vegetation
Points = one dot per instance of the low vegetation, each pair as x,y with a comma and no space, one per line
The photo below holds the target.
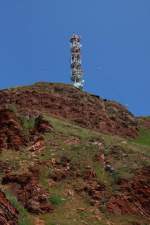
24,217
79,147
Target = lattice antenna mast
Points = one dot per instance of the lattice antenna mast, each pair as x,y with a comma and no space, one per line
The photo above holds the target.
76,64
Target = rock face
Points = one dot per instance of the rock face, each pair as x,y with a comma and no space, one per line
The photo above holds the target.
134,196
65,101
29,192
11,136
42,125
8,214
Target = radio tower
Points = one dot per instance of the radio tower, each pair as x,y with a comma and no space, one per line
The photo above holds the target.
76,64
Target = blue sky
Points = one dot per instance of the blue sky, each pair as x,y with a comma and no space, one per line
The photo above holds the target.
34,46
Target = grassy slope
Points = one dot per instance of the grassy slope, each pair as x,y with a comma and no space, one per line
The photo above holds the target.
68,209
144,137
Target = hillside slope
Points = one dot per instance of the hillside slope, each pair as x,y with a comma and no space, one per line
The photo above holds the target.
65,101
54,171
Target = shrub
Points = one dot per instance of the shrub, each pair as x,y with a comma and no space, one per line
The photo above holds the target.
28,123
12,107
56,200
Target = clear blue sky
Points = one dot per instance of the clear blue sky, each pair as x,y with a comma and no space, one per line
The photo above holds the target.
34,46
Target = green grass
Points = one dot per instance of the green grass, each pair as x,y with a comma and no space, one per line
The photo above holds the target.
27,124
18,160
70,214
144,137
68,129
56,200
82,154
12,107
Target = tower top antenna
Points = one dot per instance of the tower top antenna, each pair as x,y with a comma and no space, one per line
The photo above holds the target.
76,63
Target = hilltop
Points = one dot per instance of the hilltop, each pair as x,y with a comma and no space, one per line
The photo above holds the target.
68,157
67,102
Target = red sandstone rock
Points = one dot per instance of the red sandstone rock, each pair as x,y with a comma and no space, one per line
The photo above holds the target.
38,145
42,125
29,192
134,196
11,136
8,214
65,101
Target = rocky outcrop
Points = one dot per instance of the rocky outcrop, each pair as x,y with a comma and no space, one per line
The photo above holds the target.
42,125
133,196
5,167
8,214
29,192
62,169
11,136
65,101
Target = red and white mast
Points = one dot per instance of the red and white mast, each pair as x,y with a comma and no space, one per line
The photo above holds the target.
76,63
